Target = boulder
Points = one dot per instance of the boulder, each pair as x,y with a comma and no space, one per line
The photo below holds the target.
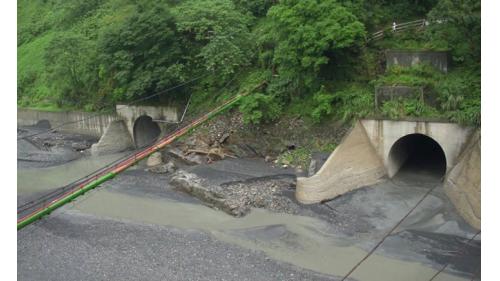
163,169
154,159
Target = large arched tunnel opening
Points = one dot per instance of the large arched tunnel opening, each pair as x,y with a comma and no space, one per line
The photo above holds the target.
417,154
145,131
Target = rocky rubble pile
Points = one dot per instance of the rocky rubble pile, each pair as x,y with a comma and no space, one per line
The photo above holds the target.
238,198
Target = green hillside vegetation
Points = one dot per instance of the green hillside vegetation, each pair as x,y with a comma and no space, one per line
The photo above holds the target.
313,55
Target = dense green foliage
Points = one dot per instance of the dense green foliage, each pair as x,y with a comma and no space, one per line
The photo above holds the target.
221,32
141,55
312,54
301,34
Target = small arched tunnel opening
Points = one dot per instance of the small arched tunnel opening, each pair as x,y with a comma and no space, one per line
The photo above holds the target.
417,154
43,124
145,131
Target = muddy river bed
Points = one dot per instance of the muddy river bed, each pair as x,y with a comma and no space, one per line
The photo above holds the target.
139,227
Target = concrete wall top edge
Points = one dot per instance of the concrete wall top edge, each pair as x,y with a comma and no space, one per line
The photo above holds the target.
145,107
403,51
415,120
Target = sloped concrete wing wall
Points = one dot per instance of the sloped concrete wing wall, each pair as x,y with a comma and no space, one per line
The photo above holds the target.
115,139
353,164
463,182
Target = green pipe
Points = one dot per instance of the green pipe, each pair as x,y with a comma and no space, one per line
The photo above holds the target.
65,200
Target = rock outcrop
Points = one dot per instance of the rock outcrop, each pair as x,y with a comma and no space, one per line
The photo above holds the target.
155,159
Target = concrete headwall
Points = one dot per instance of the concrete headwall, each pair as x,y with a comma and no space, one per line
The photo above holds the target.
80,122
384,133
353,164
463,182
409,58
159,114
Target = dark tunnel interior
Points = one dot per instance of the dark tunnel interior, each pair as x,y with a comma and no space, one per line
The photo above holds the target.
145,131
418,154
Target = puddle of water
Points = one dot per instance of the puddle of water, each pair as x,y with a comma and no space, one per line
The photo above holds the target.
43,179
299,240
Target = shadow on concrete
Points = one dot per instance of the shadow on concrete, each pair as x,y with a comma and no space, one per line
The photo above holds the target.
145,131
418,154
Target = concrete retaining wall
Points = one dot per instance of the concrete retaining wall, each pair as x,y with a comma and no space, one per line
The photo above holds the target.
386,93
94,126
463,182
409,58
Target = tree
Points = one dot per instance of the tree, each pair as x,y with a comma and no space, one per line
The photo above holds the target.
143,55
71,65
301,33
220,31
258,8
456,24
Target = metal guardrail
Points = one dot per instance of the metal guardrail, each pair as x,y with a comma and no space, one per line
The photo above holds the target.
398,27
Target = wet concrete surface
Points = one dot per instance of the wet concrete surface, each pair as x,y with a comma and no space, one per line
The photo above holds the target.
137,227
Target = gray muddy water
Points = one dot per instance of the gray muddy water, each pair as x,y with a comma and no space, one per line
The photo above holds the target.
303,241
34,180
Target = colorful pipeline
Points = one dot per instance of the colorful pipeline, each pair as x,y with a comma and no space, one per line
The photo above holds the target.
111,172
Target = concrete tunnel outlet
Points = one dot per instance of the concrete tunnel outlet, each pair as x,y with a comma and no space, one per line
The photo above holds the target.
417,153
145,131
